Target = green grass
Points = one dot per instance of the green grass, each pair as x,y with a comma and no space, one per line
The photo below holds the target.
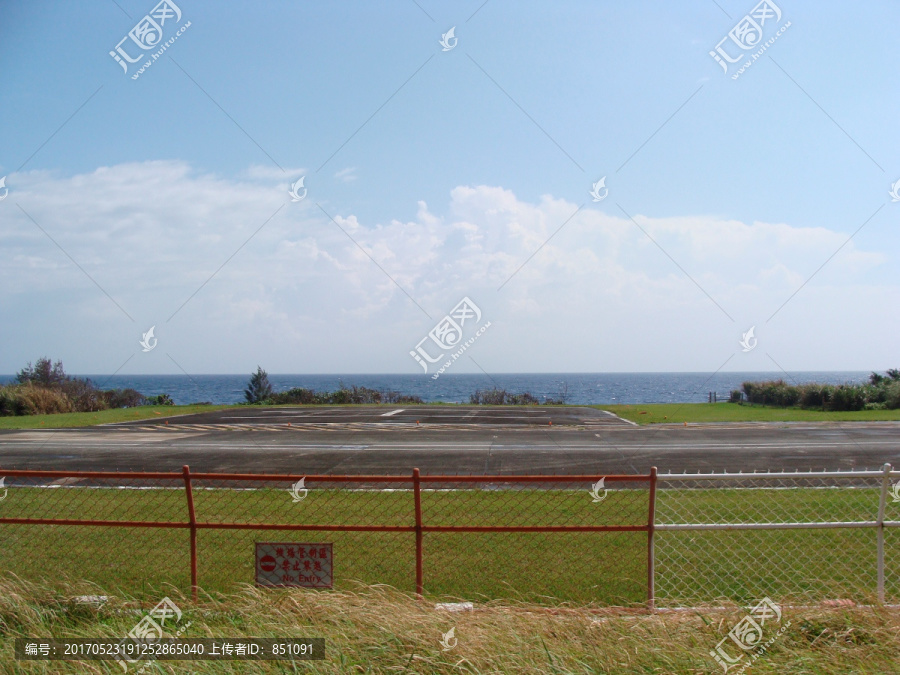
678,413
89,419
609,567
604,568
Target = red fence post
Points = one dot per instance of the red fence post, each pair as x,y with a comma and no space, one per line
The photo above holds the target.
417,493
651,558
189,492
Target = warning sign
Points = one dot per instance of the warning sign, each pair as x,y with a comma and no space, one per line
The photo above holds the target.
291,564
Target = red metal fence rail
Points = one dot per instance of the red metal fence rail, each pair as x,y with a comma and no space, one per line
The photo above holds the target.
418,518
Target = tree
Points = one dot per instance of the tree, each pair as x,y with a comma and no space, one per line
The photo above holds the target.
43,373
258,389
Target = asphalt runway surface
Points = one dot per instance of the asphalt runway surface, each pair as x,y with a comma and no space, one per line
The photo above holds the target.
446,440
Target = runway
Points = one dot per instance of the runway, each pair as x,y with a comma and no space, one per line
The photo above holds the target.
447,440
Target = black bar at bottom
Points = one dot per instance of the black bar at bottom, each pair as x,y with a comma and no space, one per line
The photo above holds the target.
130,650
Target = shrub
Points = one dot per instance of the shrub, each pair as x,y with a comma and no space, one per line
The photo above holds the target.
892,395
83,395
488,397
847,397
503,397
737,396
297,395
43,400
397,397
11,402
162,399
123,398
774,392
343,396
815,395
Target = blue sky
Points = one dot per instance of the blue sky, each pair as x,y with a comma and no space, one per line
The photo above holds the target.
435,175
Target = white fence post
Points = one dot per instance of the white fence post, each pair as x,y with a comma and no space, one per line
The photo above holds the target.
882,502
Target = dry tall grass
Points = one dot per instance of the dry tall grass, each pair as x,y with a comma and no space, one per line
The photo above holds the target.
378,630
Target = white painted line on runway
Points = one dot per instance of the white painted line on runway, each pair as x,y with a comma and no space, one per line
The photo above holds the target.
393,412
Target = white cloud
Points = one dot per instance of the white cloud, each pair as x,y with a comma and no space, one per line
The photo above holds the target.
347,175
596,296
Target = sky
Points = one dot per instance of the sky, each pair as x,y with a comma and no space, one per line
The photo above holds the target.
359,187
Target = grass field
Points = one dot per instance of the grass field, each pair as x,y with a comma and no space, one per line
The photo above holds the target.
89,419
677,413
379,630
604,568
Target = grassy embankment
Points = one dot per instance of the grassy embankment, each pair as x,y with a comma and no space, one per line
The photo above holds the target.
678,413
89,419
378,630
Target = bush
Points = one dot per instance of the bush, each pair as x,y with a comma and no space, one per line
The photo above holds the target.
503,397
83,395
343,396
45,388
737,396
162,399
397,397
43,400
847,397
297,395
123,398
815,395
892,396
11,402
488,397
774,392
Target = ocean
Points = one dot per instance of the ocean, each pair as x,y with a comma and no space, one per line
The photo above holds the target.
578,388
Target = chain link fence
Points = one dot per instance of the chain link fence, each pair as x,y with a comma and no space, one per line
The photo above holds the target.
533,538
38,544
613,540
800,537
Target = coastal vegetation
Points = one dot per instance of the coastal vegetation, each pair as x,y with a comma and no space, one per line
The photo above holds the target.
882,392
259,391
44,388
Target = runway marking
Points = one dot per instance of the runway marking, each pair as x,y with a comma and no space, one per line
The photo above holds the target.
393,412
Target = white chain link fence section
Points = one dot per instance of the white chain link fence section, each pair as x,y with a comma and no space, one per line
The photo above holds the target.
799,537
